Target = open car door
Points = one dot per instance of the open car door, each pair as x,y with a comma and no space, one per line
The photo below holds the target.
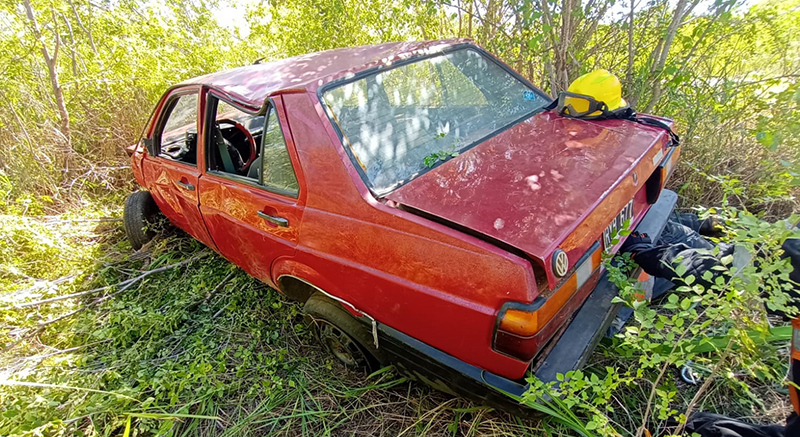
172,173
253,212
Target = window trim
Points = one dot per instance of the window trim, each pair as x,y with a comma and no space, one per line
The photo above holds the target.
163,116
212,101
421,57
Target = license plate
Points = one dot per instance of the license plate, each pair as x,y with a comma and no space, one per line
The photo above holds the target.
618,224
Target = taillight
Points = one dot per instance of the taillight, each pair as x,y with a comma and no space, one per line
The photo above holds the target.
661,174
519,324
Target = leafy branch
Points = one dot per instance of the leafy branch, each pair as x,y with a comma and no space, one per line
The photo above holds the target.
443,154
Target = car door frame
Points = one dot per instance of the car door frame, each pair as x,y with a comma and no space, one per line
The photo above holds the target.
276,195
183,209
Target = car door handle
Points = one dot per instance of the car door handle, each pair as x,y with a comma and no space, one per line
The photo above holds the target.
280,221
185,185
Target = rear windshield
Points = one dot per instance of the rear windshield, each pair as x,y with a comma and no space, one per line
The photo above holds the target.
400,122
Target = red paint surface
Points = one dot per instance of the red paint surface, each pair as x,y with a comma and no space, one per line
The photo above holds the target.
179,204
532,185
423,278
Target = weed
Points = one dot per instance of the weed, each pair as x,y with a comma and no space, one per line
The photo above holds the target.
443,154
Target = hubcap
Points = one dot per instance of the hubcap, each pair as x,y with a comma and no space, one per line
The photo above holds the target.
341,345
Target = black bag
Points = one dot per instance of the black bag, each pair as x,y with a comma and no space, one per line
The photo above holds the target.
715,425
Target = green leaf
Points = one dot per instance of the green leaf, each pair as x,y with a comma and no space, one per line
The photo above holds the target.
767,139
673,298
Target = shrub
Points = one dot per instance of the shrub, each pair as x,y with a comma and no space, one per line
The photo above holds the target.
722,332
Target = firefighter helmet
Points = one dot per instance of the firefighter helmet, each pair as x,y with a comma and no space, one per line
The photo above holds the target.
594,95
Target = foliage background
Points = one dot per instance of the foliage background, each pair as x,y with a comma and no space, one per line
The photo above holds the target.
726,72
78,79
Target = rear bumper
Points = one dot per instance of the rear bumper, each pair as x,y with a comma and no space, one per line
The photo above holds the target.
569,352
591,322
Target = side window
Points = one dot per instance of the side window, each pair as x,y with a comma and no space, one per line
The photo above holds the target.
276,166
177,138
249,148
225,109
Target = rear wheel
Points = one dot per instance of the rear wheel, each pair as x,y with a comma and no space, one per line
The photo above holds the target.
141,216
344,337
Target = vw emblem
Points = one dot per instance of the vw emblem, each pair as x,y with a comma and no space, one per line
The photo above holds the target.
635,179
560,263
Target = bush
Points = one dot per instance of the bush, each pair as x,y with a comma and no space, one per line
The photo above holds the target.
722,332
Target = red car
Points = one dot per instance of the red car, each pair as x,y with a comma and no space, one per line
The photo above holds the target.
417,197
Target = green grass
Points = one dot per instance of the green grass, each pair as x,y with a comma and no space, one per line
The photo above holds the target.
199,349
203,349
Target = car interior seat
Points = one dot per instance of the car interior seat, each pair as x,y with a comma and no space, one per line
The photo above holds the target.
255,169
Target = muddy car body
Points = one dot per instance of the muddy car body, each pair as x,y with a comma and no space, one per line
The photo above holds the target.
423,192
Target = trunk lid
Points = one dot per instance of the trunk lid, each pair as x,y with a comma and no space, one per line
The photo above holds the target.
546,183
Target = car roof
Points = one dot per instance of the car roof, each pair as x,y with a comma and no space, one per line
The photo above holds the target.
251,85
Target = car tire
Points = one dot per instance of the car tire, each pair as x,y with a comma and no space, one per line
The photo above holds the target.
140,216
342,335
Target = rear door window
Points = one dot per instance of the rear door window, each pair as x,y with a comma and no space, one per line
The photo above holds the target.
234,141
277,172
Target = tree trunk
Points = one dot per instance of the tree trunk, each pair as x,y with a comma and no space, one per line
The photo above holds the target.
631,48
681,11
469,23
86,30
52,70
72,54
549,65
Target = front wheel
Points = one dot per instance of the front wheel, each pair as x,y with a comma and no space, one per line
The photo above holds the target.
344,337
141,215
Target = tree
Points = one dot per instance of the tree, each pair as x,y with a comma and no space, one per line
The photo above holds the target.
51,61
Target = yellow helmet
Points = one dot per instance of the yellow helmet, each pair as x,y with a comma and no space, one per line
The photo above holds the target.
593,95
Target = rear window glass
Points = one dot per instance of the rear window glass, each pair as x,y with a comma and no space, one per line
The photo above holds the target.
395,119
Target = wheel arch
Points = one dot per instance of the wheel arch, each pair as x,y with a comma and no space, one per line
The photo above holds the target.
288,270
298,281
296,288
